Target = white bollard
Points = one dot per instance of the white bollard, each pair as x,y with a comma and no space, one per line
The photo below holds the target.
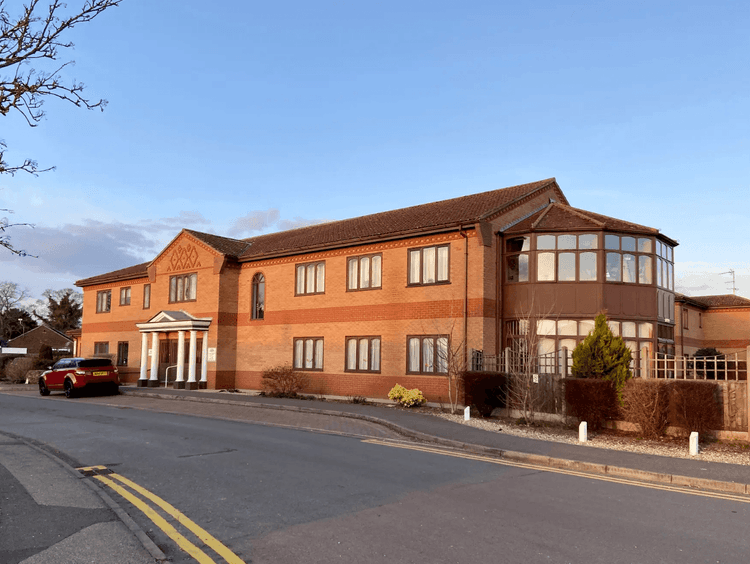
583,431
694,449
467,414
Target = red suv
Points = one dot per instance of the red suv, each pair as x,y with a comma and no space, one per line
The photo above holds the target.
73,374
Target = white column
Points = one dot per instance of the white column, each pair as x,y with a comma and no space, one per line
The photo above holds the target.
144,359
204,360
180,358
154,379
193,357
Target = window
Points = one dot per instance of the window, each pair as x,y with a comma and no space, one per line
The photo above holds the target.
517,259
146,296
625,261
566,258
362,354
101,348
427,354
429,265
664,266
125,296
364,272
259,296
103,301
308,353
122,353
311,278
685,318
183,288
700,320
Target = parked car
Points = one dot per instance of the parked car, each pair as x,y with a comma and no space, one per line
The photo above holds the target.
71,375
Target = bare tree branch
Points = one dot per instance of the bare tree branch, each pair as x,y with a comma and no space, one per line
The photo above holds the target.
38,34
5,239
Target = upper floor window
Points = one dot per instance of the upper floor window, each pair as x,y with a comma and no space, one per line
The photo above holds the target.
628,259
103,301
259,296
517,259
146,296
566,258
308,353
183,288
664,266
125,296
427,354
362,354
364,272
685,318
311,278
429,265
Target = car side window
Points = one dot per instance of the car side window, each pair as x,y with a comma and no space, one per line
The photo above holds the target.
61,364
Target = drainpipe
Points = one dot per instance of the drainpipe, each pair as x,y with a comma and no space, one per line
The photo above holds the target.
466,296
499,309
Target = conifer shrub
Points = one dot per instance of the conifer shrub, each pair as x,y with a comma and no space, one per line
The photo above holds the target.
591,400
603,356
694,406
283,382
646,404
44,359
406,398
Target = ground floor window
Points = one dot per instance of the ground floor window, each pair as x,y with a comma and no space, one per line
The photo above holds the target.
101,348
122,353
308,353
427,354
362,354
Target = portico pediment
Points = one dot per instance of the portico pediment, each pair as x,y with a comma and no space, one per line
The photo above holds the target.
179,320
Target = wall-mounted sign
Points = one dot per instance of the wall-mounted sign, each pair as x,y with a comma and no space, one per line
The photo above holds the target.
211,354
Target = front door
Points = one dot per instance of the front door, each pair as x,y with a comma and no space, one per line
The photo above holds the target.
168,357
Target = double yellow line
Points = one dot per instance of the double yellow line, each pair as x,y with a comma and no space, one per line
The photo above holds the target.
458,454
120,484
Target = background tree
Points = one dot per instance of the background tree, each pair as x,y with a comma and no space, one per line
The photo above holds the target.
11,297
62,309
36,36
602,355
17,322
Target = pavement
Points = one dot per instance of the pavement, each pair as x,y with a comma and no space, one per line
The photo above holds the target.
96,524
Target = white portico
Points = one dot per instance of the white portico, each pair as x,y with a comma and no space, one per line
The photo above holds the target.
181,323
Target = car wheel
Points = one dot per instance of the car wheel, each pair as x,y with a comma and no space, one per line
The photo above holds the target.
70,391
114,389
43,389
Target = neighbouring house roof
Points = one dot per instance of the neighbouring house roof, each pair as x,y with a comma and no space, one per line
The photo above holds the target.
716,301
562,217
34,339
410,221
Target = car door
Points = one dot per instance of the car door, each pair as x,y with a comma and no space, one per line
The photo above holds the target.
54,377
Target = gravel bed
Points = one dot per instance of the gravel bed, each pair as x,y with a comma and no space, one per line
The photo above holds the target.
730,452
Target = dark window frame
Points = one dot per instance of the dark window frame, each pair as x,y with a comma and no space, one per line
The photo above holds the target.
357,339
101,345
125,295
421,251
122,347
100,297
358,259
147,296
301,364
258,305
174,288
435,355
303,267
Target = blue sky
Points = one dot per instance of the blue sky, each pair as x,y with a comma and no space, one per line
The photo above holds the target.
258,116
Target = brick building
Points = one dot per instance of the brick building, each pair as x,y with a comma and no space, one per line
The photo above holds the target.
364,303
43,335
721,322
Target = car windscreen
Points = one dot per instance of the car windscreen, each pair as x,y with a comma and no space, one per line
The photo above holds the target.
95,363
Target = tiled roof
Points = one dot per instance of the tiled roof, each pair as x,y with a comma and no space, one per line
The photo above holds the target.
129,273
561,217
723,300
406,221
402,222
225,245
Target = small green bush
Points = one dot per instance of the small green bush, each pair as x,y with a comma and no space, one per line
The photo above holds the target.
283,382
407,398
